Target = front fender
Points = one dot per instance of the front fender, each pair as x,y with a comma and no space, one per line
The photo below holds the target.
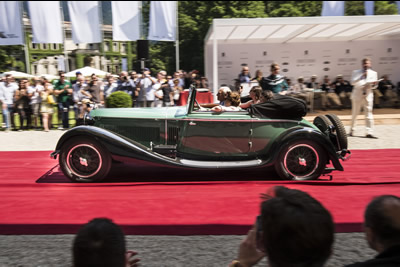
116,144
306,133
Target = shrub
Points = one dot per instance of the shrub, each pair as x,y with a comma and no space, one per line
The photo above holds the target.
119,100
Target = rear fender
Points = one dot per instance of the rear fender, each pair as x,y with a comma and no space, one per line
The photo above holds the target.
307,133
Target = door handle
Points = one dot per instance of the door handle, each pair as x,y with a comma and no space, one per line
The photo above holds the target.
192,123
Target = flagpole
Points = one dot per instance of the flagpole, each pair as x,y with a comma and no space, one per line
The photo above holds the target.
66,65
102,37
27,61
177,38
142,37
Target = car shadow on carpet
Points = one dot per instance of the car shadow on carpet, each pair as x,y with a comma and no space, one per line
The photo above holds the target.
123,173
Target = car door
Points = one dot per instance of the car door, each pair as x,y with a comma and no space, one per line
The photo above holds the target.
212,136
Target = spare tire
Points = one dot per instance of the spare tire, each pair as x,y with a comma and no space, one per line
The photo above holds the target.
340,131
322,122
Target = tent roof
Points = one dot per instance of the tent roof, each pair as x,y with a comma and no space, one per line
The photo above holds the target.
86,71
18,74
305,29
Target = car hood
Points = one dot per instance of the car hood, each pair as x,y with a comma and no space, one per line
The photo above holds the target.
150,113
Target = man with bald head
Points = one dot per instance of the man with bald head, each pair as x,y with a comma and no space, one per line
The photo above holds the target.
382,229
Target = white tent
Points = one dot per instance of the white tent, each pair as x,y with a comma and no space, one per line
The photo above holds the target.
18,74
50,77
302,45
86,71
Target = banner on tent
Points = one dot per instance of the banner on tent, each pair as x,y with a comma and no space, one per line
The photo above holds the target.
10,23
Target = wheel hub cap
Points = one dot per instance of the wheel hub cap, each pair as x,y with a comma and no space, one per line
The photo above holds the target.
302,162
83,161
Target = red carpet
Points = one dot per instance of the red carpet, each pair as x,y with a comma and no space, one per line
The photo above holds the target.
37,199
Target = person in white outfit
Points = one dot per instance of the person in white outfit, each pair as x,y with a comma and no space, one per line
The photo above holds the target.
362,96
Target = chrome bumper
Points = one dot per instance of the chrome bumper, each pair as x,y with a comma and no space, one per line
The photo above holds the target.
54,154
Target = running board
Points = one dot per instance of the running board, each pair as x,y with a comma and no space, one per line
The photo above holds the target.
221,164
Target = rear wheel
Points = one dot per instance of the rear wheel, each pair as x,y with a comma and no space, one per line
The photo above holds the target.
84,160
340,131
301,160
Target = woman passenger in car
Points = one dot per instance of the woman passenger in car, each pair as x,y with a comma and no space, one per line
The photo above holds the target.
231,103
255,94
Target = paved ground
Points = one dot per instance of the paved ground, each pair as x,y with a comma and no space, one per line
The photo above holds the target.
55,250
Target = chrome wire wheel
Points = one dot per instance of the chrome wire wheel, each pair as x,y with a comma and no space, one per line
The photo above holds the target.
301,161
84,160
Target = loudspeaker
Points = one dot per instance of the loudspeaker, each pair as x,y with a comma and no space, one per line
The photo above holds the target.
142,49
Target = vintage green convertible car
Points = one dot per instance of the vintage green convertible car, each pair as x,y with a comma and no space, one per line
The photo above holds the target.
189,137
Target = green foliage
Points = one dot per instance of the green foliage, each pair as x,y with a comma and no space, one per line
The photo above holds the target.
195,18
7,57
119,99
385,8
286,10
356,8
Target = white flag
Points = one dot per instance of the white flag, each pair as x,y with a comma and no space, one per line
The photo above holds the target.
85,21
333,8
369,7
10,23
46,21
162,25
125,20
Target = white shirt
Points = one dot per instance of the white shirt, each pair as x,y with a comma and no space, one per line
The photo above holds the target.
35,91
7,92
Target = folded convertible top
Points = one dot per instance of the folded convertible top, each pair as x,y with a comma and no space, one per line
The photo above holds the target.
280,107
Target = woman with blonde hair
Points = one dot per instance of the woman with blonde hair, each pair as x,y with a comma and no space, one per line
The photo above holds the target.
46,108
231,103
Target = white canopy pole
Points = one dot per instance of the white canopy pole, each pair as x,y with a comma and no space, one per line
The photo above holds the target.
177,39
215,60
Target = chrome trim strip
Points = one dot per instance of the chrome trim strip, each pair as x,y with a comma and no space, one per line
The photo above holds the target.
221,164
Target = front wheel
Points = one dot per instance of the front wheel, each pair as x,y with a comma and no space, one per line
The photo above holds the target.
301,160
84,160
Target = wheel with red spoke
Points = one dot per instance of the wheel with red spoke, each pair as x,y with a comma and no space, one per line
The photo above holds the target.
301,160
84,160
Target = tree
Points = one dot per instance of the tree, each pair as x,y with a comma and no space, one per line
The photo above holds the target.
7,57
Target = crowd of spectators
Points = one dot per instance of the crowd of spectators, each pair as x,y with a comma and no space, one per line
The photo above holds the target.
35,101
334,93
293,229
